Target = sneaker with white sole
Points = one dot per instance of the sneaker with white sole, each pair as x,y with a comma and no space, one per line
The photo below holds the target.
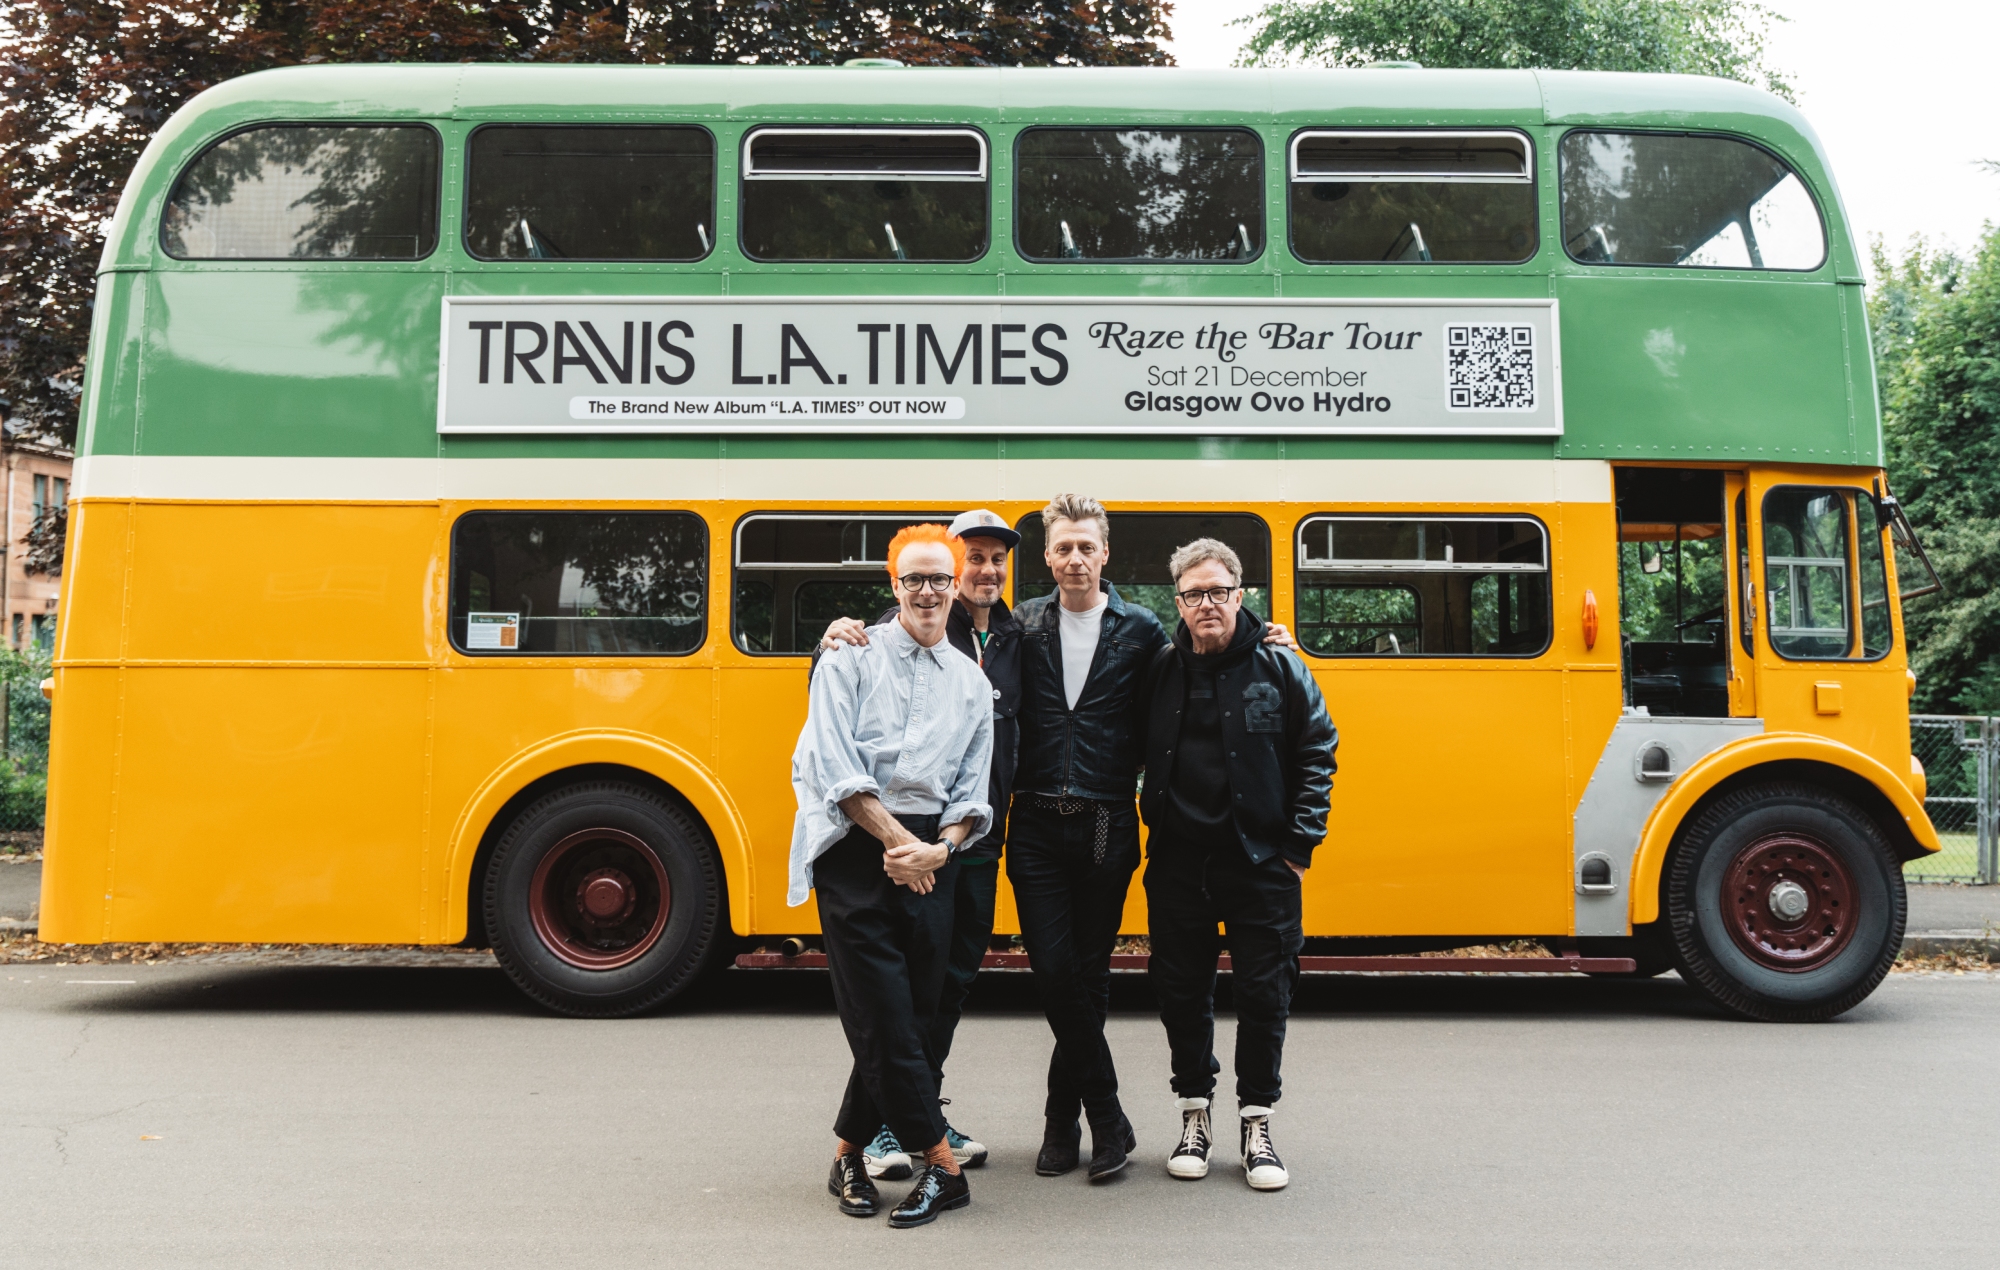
885,1157
1190,1158
969,1154
1261,1166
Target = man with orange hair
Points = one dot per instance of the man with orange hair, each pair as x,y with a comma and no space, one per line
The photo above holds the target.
891,779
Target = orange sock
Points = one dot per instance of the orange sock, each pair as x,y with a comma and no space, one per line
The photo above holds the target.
845,1148
941,1156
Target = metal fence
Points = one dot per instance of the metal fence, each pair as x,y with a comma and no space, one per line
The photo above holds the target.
1961,758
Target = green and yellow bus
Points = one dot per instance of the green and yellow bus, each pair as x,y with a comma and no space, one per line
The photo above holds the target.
472,455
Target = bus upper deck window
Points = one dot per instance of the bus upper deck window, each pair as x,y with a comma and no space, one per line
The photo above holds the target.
292,192
1635,198
865,194
796,572
1361,197
579,584
1382,586
1154,194
552,192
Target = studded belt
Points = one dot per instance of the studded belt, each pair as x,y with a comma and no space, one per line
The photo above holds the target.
1065,806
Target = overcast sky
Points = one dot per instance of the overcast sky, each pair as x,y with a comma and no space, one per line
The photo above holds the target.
1902,93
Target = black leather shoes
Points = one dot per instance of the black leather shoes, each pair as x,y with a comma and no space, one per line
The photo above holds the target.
1060,1145
936,1191
849,1184
1110,1147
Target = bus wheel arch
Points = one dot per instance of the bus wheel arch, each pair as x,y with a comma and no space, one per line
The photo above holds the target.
642,761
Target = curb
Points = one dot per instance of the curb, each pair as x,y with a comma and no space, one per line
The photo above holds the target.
15,926
1939,943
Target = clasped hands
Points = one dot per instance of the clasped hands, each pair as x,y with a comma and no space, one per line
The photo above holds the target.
915,864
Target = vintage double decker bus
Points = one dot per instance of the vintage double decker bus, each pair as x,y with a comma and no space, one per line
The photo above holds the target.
472,455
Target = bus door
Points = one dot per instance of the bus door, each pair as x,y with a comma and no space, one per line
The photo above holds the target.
1678,582
1822,621
1431,636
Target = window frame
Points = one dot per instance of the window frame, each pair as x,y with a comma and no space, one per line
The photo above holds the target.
1262,218
451,580
1851,593
714,197
167,203
858,567
744,177
1531,179
1819,210
1301,572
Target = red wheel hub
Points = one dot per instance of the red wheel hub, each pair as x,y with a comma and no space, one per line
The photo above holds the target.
1789,902
600,898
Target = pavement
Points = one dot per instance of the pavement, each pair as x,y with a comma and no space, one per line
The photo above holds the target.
214,1115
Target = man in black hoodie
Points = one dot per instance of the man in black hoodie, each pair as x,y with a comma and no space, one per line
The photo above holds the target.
1239,776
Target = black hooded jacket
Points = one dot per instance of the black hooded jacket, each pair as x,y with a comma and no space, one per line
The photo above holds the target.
1277,737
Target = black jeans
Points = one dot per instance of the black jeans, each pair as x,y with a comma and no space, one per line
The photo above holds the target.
971,935
886,948
1190,886
1070,904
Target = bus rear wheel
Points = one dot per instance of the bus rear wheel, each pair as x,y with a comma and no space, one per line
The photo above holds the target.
1785,903
604,900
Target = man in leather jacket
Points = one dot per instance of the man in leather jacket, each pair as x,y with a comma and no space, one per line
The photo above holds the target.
981,627
1239,776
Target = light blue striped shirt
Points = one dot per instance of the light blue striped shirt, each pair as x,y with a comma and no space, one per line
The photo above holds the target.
909,724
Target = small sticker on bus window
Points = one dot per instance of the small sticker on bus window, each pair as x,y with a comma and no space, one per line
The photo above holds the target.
492,630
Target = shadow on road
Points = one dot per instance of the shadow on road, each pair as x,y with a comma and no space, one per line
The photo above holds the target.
467,990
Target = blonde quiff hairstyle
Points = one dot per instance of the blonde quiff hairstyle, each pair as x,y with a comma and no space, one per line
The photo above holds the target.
1078,508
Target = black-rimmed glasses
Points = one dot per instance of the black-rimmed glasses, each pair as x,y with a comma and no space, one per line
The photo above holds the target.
919,581
1216,595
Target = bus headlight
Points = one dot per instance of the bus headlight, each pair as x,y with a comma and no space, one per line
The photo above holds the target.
1920,784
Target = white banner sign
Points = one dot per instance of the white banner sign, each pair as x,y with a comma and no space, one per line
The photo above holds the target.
1066,365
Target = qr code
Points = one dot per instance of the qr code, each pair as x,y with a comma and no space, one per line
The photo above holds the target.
1489,367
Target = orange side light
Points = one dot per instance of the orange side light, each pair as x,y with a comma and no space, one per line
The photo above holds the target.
1590,619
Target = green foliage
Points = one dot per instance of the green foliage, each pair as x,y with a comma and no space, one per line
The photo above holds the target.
1725,38
24,767
1936,325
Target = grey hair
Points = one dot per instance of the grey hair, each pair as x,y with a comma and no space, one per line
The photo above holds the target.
1202,550
1079,508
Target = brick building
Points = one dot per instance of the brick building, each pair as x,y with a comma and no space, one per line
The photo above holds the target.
34,498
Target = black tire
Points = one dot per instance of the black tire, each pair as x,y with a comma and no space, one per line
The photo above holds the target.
681,938
1837,952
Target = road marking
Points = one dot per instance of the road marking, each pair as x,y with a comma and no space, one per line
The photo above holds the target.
100,981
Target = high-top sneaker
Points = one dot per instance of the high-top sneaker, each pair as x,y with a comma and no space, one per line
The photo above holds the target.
1261,1166
1190,1158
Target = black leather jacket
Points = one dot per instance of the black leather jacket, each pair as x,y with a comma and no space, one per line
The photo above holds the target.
1092,751
1275,729
1002,664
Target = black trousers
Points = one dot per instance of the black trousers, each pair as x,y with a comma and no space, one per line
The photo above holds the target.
886,947
971,935
1070,904
1191,886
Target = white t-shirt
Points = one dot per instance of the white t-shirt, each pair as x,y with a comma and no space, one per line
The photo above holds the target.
1079,645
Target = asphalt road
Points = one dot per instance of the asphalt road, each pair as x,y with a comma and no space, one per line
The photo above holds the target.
215,1116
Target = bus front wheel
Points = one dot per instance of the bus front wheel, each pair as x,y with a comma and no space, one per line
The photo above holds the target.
603,900
1785,903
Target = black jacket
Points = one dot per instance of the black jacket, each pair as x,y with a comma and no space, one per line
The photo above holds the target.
1275,729
1094,750
1002,665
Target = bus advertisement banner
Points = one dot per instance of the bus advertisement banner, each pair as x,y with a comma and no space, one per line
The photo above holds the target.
1065,365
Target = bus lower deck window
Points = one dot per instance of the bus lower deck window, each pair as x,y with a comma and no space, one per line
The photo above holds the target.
1636,198
865,194
1366,197
292,192
1141,544
1811,577
570,584
797,572
589,193
1378,586
1154,194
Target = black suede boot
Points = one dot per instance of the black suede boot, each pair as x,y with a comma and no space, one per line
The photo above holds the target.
1061,1142
1111,1144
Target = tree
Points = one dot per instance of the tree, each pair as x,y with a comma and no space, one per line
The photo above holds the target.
1935,319
85,83
1689,37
